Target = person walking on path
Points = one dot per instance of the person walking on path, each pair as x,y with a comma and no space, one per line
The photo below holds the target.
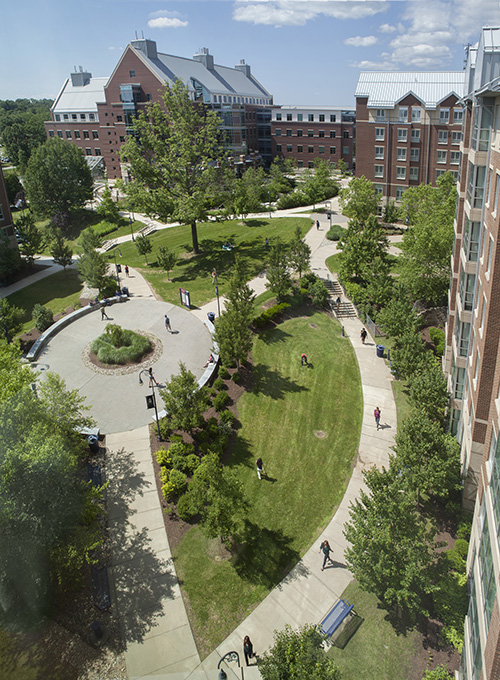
248,649
337,302
126,269
317,224
376,414
363,335
303,359
167,324
103,314
152,379
326,550
260,468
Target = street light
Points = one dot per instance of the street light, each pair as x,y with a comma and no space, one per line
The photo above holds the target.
230,656
118,268
131,229
151,398
215,280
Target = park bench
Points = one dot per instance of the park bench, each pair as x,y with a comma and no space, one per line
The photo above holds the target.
94,474
100,587
335,616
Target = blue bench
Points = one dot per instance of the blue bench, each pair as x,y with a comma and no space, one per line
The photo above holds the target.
335,617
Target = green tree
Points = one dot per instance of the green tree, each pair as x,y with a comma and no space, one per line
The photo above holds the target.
232,329
61,252
65,407
280,180
89,240
359,200
184,401
31,240
319,184
429,391
143,245
93,269
10,261
399,315
11,319
13,186
22,127
298,654
166,259
107,208
58,179
300,254
172,156
363,246
14,375
342,167
278,274
409,354
427,457
392,548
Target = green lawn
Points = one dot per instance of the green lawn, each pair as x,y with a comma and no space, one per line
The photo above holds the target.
400,391
333,262
24,657
194,273
376,650
281,418
57,292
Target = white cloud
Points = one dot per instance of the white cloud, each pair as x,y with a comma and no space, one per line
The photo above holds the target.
299,12
361,41
163,13
389,28
373,65
166,22
112,47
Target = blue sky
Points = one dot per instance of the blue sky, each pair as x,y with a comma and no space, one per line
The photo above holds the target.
302,51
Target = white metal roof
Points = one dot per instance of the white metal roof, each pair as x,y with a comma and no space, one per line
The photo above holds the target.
80,99
385,89
309,107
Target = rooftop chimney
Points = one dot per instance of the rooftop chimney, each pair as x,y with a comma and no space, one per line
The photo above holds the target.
205,57
244,68
146,46
80,78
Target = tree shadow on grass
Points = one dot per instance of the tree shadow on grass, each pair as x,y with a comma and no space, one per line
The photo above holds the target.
274,335
272,384
265,557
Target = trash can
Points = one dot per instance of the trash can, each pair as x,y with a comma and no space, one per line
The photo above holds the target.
380,350
211,316
93,443
125,291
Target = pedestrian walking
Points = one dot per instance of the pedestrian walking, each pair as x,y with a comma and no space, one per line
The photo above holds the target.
248,649
126,269
303,359
337,302
152,379
376,414
103,314
214,275
260,468
167,324
326,550
363,335
317,224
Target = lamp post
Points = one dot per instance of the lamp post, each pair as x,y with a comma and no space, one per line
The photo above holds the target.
230,656
269,196
153,399
330,213
117,267
131,229
215,280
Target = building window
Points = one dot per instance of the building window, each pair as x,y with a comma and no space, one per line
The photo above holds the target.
77,134
490,254
401,154
441,156
414,155
300,164
278,148
399,193
288,132
310,165
439,173
458,115
455,175
278,132
380,115
310,149
310,133
379,134
82,116
462,334
475,187
456,137
345,150
97,151
59,133
495,206
122,138
333,149
299,133
51,133
57,116
119,119
466,286
416,114
322,149
310,117
300,117
300,148
321,133
86,134
95,134
402,135
346,134
278,116
400,172
495,480
74,116
415,136
289,148
442,136
65,116
444,115
379,152
132,74
68,134
455,157
333,118
414,174
333,134
379,171
486,567
458,382
88,152
403,114
472,231
289,116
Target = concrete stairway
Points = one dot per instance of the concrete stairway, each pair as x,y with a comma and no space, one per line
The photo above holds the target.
346,309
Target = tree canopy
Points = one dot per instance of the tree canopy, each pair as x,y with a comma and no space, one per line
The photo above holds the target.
359,200
21,127
183,399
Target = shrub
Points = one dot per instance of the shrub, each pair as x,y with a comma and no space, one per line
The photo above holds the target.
167,490
104,228
164,457
270,314
120,346
178,481
186,508
42,317
219,384
319,293
186,464
439,673
179,448
227,417
335,232
223,373
164,472
212,421
236,377
437,338
176,438
165,429
203,436
213,429
293,200
220,401
225,428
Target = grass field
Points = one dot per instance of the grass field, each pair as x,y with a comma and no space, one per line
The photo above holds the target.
376,650
24,657
195,273
305,423
57,292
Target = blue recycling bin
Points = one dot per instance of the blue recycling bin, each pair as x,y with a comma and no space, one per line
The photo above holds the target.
380,350
93,443
211,316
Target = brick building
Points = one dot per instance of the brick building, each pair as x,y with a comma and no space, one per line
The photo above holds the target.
97,113
6,223
472,358
408,128
305,133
